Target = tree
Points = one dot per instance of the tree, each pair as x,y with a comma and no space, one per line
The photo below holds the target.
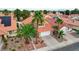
32,11
75,11
26,32
45,11
62,12
17,14
25,14
67,12
5,12
55,27
59,22
54,12
57,33
60,34
37,20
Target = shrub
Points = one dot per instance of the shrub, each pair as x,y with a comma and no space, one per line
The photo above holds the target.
13,49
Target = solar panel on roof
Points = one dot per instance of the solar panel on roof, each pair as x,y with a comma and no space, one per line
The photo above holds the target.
6,20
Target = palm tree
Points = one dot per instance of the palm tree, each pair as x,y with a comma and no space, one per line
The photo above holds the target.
37,20
59,22
56,27
61,33
55,31
26,32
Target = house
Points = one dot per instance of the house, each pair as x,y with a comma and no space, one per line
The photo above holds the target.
69,23
50,21
8,27
46,28
43,30
9,24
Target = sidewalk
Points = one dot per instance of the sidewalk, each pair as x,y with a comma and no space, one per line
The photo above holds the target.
52,44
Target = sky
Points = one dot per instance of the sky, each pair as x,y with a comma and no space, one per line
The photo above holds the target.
39,4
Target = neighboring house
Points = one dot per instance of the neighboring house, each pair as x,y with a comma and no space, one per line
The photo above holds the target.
69,23
7,27
9,24
43,30
46,28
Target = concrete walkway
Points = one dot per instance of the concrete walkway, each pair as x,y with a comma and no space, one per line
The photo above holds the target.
53,44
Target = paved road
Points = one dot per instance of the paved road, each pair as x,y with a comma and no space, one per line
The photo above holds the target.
73,47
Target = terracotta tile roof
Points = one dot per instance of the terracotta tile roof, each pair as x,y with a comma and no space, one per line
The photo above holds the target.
4,29
47,17
27,21
70,22
13,25
50,22
46,27
74,15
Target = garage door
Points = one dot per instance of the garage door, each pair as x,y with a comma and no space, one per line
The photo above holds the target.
45,33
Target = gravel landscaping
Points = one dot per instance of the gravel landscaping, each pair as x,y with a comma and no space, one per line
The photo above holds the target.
18,44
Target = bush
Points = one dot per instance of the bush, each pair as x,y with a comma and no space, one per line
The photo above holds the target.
19,46
13,49
4,40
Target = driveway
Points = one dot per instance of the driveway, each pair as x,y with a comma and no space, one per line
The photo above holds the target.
49,40
72,44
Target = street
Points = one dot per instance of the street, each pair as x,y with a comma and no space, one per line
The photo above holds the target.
73,47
